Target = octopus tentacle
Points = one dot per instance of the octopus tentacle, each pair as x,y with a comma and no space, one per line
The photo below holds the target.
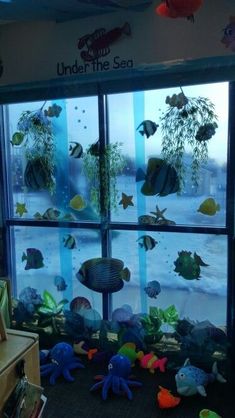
116,385
75,365
46,369
107,385
134,383
97,385
124,386
67,375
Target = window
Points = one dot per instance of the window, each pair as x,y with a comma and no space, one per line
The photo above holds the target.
112,193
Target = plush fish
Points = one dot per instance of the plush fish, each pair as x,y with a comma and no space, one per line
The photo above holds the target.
34,259
76,150
229,35
179,8
161,178
207,413
129,350
191,380
69,241
148,128
153,289
166,400
60,283
209,207
152,362
77,202
148,243
104,275
126,201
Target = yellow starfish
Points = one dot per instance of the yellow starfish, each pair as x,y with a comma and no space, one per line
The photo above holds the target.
21,208
126,201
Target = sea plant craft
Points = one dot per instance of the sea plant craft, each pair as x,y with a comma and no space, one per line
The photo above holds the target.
35,133
188,121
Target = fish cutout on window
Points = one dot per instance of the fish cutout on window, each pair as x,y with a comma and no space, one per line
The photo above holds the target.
148,243
148,128
76,150
34,259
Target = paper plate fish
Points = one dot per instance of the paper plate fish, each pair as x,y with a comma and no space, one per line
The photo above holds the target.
209,207
148,242
207,413
187,266
153,289
104,275
77,202
160,179
60,284
34,259
179,8
166,400
148,128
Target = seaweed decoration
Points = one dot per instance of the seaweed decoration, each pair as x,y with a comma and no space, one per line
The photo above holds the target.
35,133
102,173
187,121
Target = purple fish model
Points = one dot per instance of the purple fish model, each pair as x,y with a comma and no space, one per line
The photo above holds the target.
191,380
97,43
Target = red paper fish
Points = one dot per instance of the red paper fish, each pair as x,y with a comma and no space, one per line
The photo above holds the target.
179,8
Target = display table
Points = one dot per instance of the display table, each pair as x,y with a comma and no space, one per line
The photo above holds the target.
18,346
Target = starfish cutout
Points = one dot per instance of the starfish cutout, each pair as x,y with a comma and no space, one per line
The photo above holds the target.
21,208
126,201
159,213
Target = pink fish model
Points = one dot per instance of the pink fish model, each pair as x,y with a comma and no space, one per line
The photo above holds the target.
152,362
97,43
229,35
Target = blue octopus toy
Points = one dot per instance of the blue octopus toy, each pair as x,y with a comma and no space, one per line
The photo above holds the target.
117,379
62,360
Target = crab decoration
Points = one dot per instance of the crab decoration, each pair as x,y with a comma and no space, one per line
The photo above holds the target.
117,379
62,360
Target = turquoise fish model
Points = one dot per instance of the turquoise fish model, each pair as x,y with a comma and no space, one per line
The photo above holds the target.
191,380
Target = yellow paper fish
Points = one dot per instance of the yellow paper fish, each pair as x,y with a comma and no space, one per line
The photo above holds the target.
209,207
77,202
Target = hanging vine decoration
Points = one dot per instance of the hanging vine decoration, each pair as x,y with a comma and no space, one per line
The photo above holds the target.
112,164
192,121
35,133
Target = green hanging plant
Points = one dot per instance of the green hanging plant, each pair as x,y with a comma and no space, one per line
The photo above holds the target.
107,167
187,121
35,133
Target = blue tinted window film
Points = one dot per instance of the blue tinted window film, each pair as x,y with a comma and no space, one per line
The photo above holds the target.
139,116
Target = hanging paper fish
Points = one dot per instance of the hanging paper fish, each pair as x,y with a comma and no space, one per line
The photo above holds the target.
53,111
94,149
60,283
148,243
229,35
160,179
166,400
104,275
77,202
69,242
179,8
153,289
148,128
187,266
97,43
34,259
209,207
76,150
126,201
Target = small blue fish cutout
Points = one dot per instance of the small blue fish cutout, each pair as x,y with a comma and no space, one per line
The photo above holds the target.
60,283
69,242
34,259
148,128
76,150
153,289
148,243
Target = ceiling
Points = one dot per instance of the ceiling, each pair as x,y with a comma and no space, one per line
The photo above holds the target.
63,10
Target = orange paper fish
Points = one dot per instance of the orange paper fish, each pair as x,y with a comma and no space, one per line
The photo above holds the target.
178,8
166,399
